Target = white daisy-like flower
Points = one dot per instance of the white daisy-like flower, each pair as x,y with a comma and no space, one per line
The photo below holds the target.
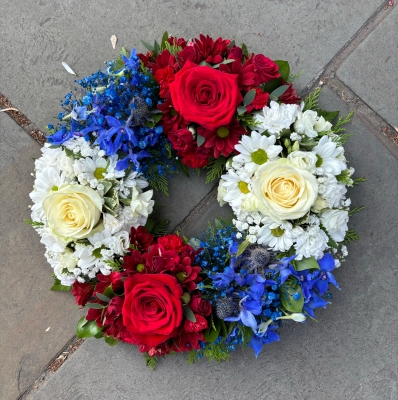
237,187
49,157
328,154
256,150
47,179
311,242
276,117
279,236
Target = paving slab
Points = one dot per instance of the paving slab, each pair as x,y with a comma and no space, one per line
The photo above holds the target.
350,353
27,307
371,69
35,39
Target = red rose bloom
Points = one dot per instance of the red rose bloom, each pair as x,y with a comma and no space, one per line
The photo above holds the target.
205,95
265,68
181,139
199,305
152,309
82,292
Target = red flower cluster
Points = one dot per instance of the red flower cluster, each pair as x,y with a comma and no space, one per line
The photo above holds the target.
153,302
202,83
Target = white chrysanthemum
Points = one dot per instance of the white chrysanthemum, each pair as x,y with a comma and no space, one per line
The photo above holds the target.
279,236
331,190
52,242
49,157
311,242
255,150
134,179
276,117
47,179
329,156
237,186
63,264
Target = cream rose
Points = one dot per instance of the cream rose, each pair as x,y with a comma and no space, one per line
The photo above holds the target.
73,211
284,191
303,160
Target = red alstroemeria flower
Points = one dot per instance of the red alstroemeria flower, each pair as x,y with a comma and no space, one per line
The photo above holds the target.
181,139
197,158
186,274
223,139
163,60
246,75
133,263
158,259
114,279
211,51
173,41
82,292
189,53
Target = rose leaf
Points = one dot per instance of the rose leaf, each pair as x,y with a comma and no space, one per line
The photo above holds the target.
284,69
249,97
188,313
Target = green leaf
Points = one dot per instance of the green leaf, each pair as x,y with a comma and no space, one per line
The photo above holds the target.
229,61
284,69
305,263
111,340
247,334
108,292
223,330
96,306
328,115
103,298
216,168
200,140
249,97
124,52
149,224
332,243
232,44
164,41
242,247
68,152
289,289
99,335
279,91
211,334
86,329
270,86
58,287
188,313
244,50
148,46
241,110
204,64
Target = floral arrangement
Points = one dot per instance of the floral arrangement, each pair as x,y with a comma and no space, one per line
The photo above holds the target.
208,104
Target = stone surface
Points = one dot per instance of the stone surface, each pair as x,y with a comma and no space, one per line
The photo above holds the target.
351,353
376,82
27,305
38,37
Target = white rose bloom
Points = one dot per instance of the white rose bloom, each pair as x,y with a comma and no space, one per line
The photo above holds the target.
311,243
52,242
305,123
303,159
73,211
335,222
276,117
322,125
284,191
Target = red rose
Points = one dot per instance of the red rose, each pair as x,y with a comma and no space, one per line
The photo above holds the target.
200,306
265,68
152,309
205,95
181,139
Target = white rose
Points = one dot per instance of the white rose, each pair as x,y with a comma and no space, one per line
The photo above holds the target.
322,125
335,222
303,160
284,191
73,211
305,123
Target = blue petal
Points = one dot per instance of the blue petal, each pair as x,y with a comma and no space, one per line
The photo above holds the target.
232,319
332,280
326,262
322,286
256,344
284,273
253,306
248,319
112,121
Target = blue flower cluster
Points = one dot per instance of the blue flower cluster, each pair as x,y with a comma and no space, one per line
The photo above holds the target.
117,111
262,296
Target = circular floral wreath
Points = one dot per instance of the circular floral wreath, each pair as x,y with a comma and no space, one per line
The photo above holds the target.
207,104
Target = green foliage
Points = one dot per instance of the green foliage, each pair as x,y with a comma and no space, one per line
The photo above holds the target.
354,210
357,181
284,69
350,236
345,177
33,223
328,115
288,292
305,263
342,139
341,121
58,287
159,227
247,120
242,247
311,101
295,76
150,361
212,351
115,264
86,329
244,50
216,168
111,340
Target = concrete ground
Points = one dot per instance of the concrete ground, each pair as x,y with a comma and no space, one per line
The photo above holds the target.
351,47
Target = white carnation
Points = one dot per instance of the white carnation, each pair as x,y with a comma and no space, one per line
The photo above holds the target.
335,222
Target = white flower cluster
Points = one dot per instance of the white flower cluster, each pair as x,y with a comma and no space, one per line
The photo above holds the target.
286,196
84,208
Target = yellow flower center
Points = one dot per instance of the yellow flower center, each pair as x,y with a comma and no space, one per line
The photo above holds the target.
99,173
243,187
222,132
319,161
277,232
259,157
